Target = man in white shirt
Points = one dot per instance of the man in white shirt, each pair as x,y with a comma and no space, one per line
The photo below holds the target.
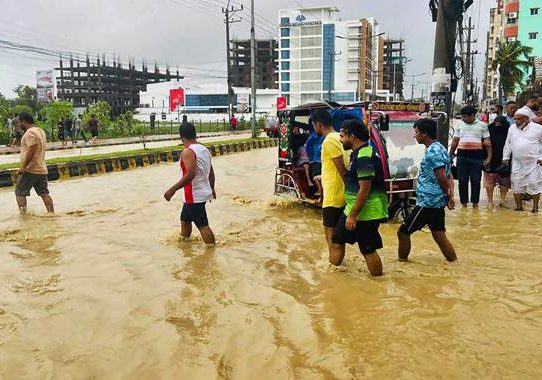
524,144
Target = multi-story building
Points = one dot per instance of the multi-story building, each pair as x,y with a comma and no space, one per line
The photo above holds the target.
394,66
323,57
266,63
521,20
84,82
494,36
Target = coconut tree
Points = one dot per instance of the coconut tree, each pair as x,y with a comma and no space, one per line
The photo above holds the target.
512,61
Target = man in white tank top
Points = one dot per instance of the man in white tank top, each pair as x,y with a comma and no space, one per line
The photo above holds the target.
198,184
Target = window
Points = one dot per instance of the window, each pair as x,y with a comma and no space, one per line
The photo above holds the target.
285,77
284,20
285,66
534,11
284,32
285,87
533,35
285,43
285,54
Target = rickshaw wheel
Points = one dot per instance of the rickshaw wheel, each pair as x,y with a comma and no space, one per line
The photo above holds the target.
399,209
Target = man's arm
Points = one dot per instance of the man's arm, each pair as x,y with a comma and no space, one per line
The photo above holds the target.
189,160
29,156
507,151
212,181
447,185
339,164
453,147
363,194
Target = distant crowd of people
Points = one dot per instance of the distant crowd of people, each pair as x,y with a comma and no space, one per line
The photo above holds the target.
67,128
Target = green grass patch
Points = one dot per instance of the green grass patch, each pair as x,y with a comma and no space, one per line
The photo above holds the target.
127,153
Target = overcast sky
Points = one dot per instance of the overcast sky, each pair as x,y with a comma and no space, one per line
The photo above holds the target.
190,33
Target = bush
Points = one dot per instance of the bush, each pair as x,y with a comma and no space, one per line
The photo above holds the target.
102,111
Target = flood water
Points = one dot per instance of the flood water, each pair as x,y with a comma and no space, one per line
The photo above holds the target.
105,289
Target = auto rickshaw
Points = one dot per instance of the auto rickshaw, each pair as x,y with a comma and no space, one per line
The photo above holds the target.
391,134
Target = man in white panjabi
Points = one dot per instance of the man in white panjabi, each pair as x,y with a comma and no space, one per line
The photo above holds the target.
524,145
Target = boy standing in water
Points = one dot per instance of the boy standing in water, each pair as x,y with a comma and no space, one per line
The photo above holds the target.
198,183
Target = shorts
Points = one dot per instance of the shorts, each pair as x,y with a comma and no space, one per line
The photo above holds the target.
316,169
331,216
195,213
365,234
495,178
424,216
28,181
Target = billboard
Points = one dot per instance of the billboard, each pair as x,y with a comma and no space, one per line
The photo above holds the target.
242,103
282,102
45,84
176,98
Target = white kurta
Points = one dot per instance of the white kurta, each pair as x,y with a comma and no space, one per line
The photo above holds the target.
525,147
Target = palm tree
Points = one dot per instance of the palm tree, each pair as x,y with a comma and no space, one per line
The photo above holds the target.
512,62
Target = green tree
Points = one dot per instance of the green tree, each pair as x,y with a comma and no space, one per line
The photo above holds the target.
511,60
27,96
102,111
4,110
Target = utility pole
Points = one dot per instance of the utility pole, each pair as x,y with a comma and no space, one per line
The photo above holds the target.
229,12
253,69
467,89
447,14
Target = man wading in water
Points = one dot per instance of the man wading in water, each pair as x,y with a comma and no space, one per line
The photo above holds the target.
198,183
33,170
366,199
434,191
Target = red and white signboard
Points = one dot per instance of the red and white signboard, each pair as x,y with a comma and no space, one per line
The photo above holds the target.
176,98
282,103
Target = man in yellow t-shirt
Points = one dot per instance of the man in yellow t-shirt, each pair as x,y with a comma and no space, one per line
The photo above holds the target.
33,170
334,161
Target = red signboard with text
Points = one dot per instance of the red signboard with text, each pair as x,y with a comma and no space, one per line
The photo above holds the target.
176,98
282,103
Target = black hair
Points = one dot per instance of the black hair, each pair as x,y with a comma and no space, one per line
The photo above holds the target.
510,102
356,128
185,118
187,131
427,126
468,111
533,97
26,117
499,107
322,116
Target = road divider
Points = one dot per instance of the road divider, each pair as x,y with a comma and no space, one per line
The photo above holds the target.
67,170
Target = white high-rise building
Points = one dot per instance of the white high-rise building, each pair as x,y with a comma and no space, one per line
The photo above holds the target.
324,57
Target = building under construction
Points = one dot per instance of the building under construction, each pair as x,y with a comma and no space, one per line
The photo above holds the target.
83,82
394,66
266,63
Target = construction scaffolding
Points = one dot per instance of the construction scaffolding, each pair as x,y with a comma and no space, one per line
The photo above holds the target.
83,82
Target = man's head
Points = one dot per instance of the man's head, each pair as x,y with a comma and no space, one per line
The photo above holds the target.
26,120
185,118
321,119
511,108
522,117
425,131
499,109
187,132
532,103
468,114
353,133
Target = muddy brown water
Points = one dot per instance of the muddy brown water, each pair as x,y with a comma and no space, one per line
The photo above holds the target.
105,289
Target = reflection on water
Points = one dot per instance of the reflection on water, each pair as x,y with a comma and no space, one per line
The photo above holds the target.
106,289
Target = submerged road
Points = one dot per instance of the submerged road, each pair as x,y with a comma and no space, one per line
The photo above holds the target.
106,289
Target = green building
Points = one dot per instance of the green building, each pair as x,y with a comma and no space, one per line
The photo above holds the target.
530,28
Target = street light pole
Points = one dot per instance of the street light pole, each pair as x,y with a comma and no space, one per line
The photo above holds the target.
253,69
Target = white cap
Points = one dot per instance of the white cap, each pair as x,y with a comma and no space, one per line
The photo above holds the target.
524,111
